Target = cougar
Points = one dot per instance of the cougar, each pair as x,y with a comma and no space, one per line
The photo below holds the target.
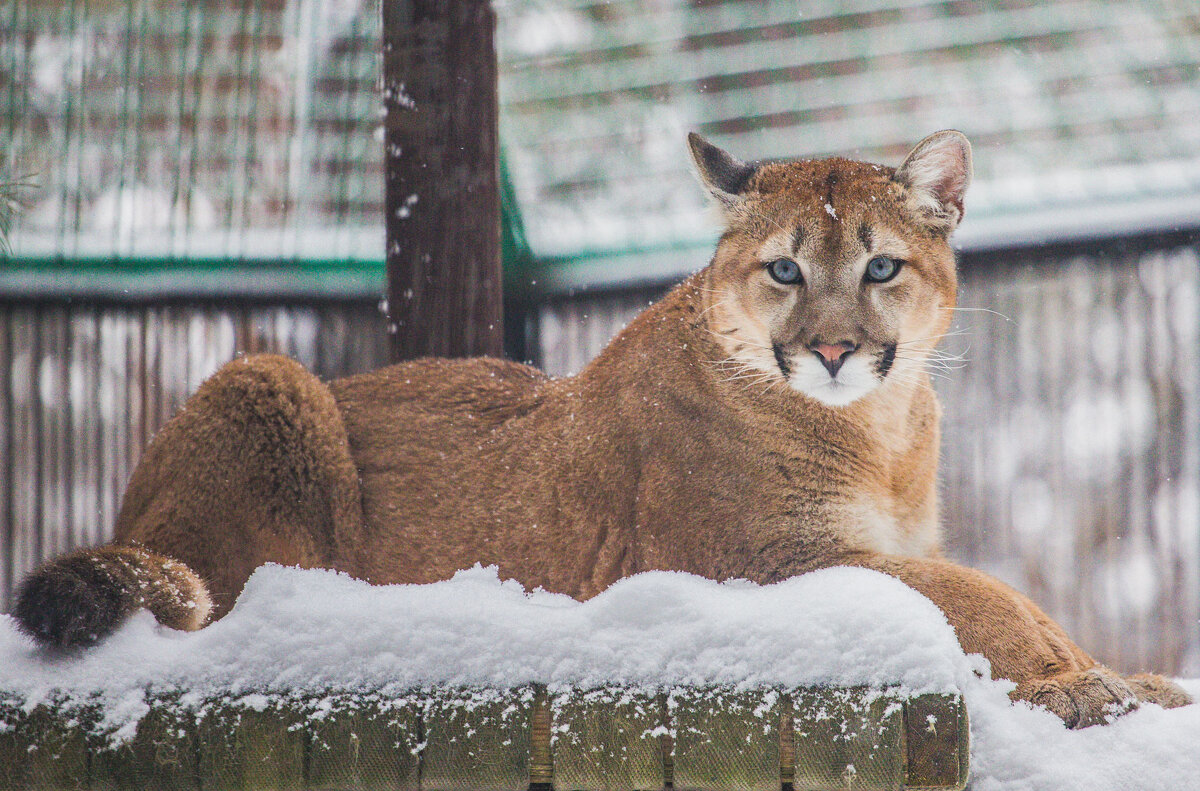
773,414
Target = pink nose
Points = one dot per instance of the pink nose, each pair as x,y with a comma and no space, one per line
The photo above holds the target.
832,355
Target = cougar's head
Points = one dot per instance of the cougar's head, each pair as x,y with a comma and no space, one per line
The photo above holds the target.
833,276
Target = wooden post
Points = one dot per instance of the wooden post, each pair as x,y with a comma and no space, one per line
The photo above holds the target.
442,195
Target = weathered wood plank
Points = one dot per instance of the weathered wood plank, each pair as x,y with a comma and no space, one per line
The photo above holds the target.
164,755
365,748
725,741
936,739
251,750
477,741
43,749
847,738
609,739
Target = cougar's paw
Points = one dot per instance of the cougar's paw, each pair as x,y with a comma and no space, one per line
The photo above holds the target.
1155,689
1081,697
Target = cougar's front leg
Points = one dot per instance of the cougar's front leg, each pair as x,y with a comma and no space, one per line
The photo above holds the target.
1023,644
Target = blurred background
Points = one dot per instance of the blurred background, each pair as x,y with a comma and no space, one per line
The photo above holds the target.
198,179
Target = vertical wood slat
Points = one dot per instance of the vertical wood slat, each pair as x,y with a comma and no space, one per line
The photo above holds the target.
25,479
7,424
134,387
151,380
48,395
82,371
173,381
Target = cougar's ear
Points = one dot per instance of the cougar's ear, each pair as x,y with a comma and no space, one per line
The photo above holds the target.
937,173
724,175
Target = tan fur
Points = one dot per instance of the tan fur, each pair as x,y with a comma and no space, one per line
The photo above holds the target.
684,446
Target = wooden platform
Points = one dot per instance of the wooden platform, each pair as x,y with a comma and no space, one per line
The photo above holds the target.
611,739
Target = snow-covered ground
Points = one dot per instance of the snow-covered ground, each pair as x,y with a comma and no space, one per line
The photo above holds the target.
295,630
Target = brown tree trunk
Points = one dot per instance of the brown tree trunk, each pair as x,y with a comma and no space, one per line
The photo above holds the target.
442,196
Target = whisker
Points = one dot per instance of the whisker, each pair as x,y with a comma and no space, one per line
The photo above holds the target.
933,367
936,359
941,365
944,362
979,310
953,334
753,379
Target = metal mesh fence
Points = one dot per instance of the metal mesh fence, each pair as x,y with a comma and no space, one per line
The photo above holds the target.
216,130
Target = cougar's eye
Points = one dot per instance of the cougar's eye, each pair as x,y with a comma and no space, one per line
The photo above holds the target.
785,270
881,269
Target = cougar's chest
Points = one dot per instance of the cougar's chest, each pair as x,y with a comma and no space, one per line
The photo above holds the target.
849,491
874,524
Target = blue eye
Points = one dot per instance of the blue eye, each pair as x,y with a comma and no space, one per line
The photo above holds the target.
881,269
785,270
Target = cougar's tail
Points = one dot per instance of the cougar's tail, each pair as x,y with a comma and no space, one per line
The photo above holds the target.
77,599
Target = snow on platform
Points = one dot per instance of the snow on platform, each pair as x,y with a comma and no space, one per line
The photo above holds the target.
308,631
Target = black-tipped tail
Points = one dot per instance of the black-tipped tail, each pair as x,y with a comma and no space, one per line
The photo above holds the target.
76,600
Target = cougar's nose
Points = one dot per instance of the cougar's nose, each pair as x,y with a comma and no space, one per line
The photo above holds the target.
832,355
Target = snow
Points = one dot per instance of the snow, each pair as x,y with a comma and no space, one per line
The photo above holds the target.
303,631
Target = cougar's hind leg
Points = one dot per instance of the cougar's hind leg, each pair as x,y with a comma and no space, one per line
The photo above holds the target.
255,468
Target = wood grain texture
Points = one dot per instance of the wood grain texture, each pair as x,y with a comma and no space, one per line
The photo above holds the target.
609,740
477,741
368,748
442,183
725,741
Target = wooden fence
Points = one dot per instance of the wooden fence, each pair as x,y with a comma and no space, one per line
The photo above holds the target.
1071,448
612,739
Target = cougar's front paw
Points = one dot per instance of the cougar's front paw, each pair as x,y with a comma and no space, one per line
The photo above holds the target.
1155,689
1081,697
